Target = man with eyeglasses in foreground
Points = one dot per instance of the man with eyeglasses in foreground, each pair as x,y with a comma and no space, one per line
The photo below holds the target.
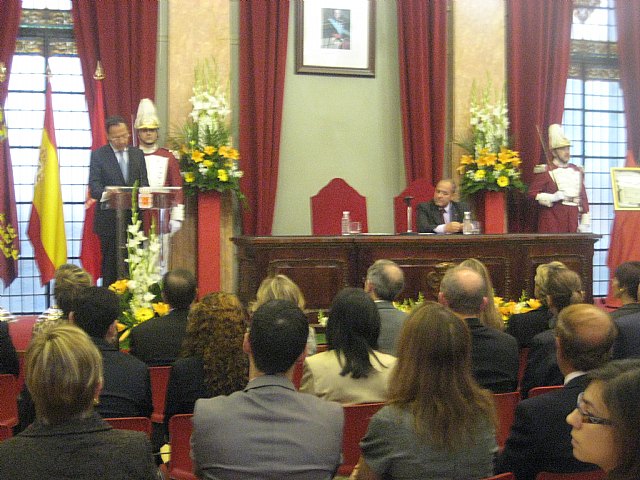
540,439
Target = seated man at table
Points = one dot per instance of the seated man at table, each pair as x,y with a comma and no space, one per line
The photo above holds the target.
442,214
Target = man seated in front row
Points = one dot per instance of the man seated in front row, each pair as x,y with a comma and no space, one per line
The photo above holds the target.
269,430
442,214
540,438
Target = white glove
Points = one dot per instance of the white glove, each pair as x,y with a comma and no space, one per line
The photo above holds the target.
174,225
545,199
559,195
177,213
585,223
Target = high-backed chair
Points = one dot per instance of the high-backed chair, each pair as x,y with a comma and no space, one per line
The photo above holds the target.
422,191
329,203
159,377
594,475
180,465
534,392
506,407
137,424
8,400
356,422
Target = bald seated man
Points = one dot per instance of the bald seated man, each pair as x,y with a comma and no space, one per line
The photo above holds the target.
442,214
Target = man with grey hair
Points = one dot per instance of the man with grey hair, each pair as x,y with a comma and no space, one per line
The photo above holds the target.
494,354
385,280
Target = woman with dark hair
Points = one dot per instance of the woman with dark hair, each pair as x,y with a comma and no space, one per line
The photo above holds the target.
624,286
212,361
606,421
438,422
351,370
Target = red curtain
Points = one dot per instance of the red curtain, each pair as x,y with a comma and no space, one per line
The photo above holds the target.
11,10
628,19
263,50
122,35
422,54
538,57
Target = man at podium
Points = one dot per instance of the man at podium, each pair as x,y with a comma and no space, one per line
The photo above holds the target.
114,164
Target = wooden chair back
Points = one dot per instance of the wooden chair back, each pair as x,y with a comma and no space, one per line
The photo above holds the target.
534,392
180,465
506,407
137,424
356,422
8,400
159,377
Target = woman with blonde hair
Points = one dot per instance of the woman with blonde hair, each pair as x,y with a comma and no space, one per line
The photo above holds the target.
212,361
438,422
68,438
281,287
490,316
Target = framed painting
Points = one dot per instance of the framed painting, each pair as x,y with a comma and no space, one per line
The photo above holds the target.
336,37
625,184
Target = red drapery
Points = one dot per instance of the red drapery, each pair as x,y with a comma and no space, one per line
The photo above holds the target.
538,56
628,20
11,10
263,51
422,54
122,35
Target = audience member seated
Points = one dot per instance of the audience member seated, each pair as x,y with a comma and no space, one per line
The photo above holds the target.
564,289
540,439
606,422
281,287
442,214
68,279
494,354
352,370
269,430
385,280
490,316
525,326
8,356
68,439
126,391
212,362
158,341
438,422
624,286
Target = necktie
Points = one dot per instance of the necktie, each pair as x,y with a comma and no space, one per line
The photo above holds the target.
123,165
442,211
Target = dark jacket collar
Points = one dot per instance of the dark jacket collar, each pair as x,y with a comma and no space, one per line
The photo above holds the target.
92,423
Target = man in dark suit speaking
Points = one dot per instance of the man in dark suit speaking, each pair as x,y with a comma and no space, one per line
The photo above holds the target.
115,164
442,214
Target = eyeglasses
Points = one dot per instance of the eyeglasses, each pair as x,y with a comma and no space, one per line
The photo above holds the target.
587,418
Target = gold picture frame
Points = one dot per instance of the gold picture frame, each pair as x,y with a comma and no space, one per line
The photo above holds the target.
625,185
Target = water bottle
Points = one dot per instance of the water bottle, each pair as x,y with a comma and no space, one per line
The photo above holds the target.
346,221
467,226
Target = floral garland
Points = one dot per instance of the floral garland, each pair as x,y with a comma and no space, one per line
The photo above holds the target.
207,160
507,308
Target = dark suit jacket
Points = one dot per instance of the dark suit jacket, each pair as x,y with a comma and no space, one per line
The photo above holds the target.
429,216
186,385
627,344
623,311
391,321
540,438
8,357
104,171
542,366
494,357
127,390
524,326
158,341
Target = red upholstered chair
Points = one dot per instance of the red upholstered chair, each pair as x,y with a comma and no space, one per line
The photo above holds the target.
502,476
180,466
297,374
329,203
595,475
159,379
5,432
534,392
506,407
356,422
422,191
137,424
8,400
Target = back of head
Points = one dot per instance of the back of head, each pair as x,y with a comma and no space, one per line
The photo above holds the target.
63,372
541,286
621,394
279,287
96,308
386,279
353,328
464,290
490,316
179,288
586,335
628,276
564,288
69,280
433,377
278,335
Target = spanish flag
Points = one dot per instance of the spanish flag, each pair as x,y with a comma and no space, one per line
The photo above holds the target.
46,223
